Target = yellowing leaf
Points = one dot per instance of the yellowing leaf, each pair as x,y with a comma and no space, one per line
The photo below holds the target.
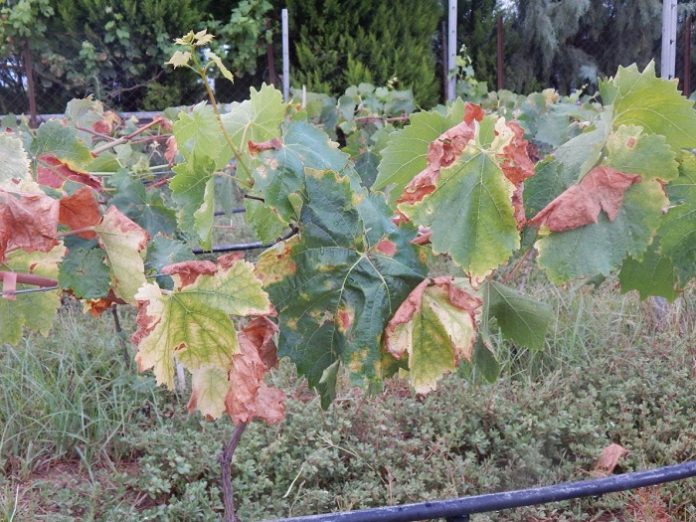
221,66
436,327
180,59
34,312
124,242
208,391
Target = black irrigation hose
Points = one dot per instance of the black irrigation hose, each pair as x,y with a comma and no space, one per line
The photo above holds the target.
460,508
241,247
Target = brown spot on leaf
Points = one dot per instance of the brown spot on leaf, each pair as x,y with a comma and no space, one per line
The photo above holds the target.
386,247
602,188
189,271
514,158
256,147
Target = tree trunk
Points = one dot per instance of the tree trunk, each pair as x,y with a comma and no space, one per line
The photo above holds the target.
228,450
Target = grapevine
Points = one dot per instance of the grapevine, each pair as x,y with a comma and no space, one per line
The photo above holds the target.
112,213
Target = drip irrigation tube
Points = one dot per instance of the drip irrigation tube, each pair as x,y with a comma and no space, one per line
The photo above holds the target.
460,508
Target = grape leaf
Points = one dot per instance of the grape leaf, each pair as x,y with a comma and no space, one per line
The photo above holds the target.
192,189
601,247
279,178
521,319
61,142
629,149
80,210
192,324
256,119
85,273
145,207
565,166
651,275
601,189
407,152
125,245
13,158
337,285
436,327
655,104
470,213
678,229
27,221
54,172
198,134
34,312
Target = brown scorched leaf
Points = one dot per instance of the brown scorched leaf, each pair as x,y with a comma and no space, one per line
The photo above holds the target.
249,397
27,221
53,173
600,189
609,459
80,210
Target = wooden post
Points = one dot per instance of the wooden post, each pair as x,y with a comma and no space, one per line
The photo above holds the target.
270,59
451,49
286,55
669,38
501,53
31,88
686,84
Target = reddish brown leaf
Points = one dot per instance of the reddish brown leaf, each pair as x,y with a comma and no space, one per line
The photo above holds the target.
96,307
514,159
188,271
171,150
110,120
53,173
248,396
473,112
518,206
80,210
227,260
609,459
602,188
256,147
27,221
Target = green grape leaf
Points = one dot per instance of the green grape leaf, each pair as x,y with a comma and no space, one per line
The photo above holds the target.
407,152
485,361
198,135
85,273
125,245
61,142
641,98
336,285
678,229
34,312
257,119
13,158
163,251
652,275
279,177
204,216
192,189
470,213
145,207
521,319
601,247
630,150
436,328
565,167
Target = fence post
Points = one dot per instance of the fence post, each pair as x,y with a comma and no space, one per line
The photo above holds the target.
501,51
686,84
451,49
669,38
31,88
286,55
